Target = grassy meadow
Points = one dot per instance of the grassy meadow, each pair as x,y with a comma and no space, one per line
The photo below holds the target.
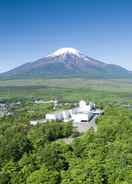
68,89
113,85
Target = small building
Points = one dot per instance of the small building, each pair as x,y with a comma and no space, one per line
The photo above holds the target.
83,107
34,122
82,117
50,117
57,116
66,115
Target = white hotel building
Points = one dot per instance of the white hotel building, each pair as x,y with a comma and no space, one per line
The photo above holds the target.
83,113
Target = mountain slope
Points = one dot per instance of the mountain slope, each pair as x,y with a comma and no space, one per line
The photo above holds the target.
67,62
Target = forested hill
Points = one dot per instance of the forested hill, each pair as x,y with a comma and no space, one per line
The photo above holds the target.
34,155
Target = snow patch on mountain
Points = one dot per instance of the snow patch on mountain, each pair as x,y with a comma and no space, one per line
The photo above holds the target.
64,51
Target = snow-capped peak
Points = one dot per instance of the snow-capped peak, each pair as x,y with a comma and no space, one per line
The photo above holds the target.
64,51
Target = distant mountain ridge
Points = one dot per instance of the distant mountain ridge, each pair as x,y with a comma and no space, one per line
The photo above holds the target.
67,62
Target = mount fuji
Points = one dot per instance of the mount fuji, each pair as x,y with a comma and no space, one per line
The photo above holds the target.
67,62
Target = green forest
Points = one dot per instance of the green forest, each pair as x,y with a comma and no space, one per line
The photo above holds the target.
38,154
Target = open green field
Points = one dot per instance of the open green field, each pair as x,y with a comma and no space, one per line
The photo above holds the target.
69,89
114,85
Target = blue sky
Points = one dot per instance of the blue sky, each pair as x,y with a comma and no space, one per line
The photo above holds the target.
31,29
